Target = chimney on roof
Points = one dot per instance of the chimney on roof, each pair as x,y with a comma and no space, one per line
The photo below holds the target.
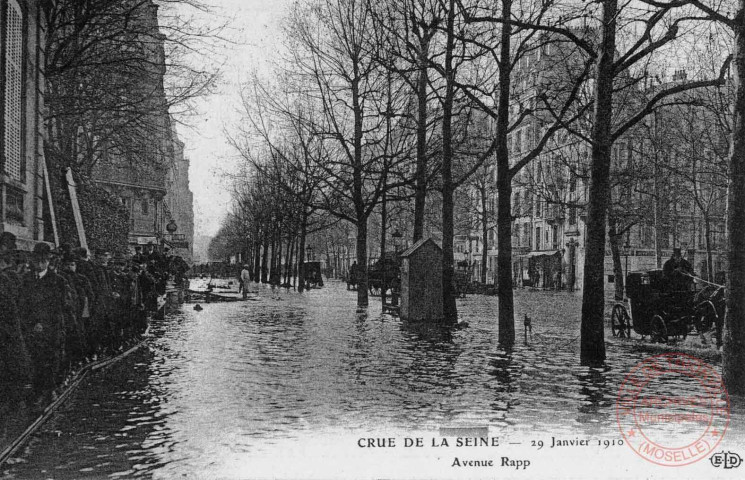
680,76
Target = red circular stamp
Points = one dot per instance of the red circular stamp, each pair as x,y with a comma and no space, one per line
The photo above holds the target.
673,409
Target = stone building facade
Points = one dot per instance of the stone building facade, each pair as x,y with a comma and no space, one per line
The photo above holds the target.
152,183
179,204
23,194
668,189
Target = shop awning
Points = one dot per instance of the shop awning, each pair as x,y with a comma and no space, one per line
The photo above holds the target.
541,253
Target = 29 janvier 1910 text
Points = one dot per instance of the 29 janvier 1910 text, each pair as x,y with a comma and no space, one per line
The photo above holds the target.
460,442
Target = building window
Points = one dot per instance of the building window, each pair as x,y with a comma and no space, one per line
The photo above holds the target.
13,91
572,215
556,237
537,238
14,211
145,207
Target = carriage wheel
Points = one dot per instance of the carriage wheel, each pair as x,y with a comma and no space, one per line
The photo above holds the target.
375,290
659,330
620,323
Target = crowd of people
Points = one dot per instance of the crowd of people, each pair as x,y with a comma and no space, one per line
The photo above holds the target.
60,308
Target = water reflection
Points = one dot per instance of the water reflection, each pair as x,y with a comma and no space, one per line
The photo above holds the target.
596,398
235,378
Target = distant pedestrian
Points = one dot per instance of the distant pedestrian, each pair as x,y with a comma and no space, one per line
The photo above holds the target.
352,276
245,280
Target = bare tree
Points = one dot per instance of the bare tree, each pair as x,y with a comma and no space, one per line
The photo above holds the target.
334,63
407,32
113,71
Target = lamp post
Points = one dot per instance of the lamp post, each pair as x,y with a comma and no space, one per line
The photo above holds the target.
626,248
573,244
396,239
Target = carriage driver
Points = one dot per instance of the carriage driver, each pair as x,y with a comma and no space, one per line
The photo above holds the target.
677,271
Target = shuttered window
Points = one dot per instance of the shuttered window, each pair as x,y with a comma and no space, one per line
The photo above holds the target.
13,85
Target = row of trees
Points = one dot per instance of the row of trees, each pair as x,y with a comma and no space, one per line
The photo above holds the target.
399,101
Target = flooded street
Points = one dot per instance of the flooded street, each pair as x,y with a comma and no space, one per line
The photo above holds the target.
218,390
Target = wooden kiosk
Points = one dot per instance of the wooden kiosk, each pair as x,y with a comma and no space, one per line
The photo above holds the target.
421,282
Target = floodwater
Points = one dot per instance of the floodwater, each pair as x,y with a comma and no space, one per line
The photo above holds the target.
213,391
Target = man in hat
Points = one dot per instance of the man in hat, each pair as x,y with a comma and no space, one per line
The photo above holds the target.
43,301
121,286
138,258
7,242
677,271
80,292
15,363
106,297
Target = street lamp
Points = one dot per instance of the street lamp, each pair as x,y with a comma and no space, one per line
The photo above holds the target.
396,238
626,248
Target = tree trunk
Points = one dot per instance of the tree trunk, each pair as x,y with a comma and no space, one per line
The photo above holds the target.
504,250
257,259
383,229
733,353
592,343
277,271
337,262
290,259
420,188
484,232
504,192
298,258
657,213
709,256
301,253
362,298
265,259
450,311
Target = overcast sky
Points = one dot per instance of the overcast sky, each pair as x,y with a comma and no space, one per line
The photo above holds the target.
255,26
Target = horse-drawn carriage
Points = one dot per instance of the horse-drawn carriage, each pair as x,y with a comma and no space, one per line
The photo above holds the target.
384,274
462,279
312,275
661,308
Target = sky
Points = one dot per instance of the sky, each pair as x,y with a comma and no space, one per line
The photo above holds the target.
254,31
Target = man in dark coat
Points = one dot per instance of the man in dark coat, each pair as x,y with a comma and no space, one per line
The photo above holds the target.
106,297
677,271
75,333
94,324
138,257
43,301
148,287
121,287
15,363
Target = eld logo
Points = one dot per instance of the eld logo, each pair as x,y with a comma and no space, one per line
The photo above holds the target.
725,459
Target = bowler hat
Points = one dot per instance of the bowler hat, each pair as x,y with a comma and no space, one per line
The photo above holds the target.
8,240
